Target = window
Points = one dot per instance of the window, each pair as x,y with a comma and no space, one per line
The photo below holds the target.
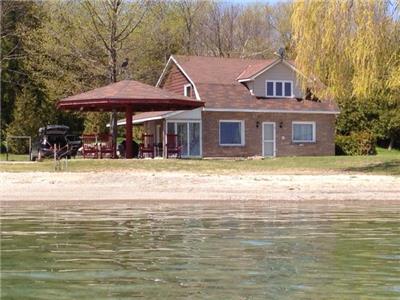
187,90
270,88
278,88
288,89
303,132
189,136
231,133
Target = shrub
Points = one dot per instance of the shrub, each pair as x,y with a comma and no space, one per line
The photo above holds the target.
357,143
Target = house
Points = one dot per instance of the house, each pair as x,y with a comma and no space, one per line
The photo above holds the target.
252,108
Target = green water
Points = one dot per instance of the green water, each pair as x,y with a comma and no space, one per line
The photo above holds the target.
238,250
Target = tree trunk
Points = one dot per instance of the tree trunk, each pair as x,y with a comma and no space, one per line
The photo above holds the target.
113,71
391,144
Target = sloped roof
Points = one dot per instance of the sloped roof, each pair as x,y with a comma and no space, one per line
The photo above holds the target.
140,96
256,68
238,97
219,70
216,80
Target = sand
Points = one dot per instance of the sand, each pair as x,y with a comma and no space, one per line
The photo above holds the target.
145,185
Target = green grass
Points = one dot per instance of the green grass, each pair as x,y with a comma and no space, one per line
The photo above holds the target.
385,162
14,157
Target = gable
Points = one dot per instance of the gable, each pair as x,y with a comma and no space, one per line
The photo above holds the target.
280,71
174,81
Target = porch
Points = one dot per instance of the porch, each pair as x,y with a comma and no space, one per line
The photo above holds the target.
160,127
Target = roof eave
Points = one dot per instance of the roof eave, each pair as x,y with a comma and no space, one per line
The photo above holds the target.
254,110
260,72
122,103
246,80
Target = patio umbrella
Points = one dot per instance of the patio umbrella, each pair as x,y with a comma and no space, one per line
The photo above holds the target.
128,96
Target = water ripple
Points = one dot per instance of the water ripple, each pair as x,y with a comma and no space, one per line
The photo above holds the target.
235,250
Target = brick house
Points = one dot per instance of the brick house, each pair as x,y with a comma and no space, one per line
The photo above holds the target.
252,108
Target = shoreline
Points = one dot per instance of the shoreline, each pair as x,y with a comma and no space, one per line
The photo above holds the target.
187,187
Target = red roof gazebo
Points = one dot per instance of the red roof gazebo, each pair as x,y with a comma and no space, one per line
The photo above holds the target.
128,96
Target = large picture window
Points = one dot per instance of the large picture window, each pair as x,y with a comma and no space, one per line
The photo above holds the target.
231,133
278,88
303,132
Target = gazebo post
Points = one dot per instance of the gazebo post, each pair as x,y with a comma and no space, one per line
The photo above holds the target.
128,132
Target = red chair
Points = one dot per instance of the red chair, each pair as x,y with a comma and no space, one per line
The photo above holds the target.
90,147
106,145
146,146
173,148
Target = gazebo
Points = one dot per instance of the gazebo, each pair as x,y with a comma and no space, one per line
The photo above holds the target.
128,96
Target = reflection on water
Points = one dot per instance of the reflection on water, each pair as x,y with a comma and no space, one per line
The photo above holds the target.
237,250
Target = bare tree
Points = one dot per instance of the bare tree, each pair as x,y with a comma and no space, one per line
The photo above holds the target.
189,11
113,22
234,30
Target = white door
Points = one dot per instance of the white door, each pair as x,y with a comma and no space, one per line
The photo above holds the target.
268,139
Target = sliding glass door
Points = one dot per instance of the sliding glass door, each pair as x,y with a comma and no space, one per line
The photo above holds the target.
182,132
189,136
194,139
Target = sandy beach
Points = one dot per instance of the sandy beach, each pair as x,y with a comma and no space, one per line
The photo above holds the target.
146,185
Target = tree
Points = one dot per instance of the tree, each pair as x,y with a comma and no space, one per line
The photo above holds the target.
113,22
24,105
190,12
353,48
14,76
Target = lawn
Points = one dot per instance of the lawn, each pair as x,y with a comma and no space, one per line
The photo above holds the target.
14,157
385,162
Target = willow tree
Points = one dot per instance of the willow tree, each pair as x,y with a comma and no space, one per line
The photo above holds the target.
352,47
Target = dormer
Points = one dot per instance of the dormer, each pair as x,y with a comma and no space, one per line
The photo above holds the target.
272,79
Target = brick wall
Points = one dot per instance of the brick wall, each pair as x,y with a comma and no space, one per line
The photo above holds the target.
325,134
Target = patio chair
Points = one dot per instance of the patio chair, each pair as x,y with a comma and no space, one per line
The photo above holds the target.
146,146
173,148
106,145
89,146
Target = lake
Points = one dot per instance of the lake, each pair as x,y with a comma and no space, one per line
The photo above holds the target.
207,250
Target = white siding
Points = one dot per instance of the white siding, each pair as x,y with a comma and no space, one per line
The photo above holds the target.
277,72
194,114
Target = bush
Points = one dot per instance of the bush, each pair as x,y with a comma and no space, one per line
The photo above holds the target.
357,143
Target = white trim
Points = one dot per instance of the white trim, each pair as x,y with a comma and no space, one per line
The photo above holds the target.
123,121
262,71
305,123
138,121
272,111
274,138
171,58
294,68
158,131
184,90
283,88
187,127
242,133
163,72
